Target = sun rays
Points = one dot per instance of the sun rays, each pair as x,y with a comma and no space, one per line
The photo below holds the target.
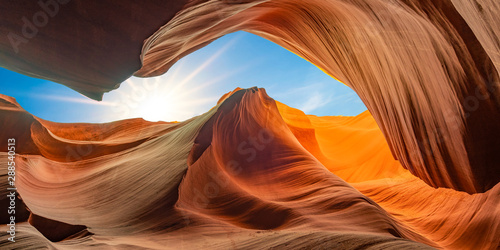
82,99
169,97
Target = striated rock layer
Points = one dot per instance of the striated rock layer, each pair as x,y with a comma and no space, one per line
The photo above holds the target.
426,70
250,173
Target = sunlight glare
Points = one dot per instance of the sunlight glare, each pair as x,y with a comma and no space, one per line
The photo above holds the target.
169,97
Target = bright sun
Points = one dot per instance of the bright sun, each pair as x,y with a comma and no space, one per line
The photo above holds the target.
168,97
157,99
156,109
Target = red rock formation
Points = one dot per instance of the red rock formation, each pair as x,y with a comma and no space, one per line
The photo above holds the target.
426,70
250,173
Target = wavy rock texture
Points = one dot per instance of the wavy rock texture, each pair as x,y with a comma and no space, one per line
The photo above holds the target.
250,173
426,70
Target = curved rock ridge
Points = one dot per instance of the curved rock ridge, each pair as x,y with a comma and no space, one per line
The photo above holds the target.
250,173
426,70
419,66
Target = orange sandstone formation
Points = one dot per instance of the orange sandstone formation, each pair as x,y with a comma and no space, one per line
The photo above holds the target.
250,173
426,70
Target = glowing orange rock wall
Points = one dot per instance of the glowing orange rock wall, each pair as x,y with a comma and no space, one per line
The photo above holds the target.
354,149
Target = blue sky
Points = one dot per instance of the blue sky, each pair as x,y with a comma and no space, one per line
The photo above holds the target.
193,86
